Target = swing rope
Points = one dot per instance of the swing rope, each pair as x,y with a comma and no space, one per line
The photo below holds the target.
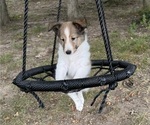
25,36
105,35
55,38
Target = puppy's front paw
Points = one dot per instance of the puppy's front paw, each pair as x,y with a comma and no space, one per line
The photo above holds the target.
79,106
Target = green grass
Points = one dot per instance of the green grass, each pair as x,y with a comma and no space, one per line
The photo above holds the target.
133,27
134,44
18,46
16,17
19,35
97,49
6,58
14,66
38,29
23,105
123,47
142,21
14,113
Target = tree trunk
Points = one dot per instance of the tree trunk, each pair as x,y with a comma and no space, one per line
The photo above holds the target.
73,9
4,17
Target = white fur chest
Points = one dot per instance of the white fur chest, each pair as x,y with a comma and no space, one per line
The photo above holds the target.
70,64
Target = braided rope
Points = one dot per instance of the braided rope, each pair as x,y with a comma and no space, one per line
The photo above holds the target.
55,38
97,96
102,105
28,90
104,32
105,38
41,104
105,35
25,37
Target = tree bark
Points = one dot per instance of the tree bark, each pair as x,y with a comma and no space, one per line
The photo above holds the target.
4,16
73,9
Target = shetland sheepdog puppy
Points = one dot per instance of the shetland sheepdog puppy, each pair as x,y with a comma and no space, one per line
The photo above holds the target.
73,55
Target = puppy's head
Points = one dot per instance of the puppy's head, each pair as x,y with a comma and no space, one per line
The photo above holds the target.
71,34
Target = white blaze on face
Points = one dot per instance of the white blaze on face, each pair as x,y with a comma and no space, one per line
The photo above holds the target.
68,46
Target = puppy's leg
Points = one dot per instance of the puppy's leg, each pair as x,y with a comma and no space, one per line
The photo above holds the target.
77,101
83,72
80,96
61,71
75,98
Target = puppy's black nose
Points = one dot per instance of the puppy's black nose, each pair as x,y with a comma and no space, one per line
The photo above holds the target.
68,52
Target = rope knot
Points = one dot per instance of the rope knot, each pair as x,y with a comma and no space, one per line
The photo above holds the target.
113,86
65,86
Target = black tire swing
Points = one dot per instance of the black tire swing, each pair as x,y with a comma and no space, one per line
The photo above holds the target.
108,72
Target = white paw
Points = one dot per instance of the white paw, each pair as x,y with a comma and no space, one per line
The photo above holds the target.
79,107
82,100
80,96
78,100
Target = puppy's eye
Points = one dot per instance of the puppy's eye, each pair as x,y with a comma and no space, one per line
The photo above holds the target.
73,39
63,40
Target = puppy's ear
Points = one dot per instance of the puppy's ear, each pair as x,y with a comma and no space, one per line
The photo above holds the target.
80,24
55,27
